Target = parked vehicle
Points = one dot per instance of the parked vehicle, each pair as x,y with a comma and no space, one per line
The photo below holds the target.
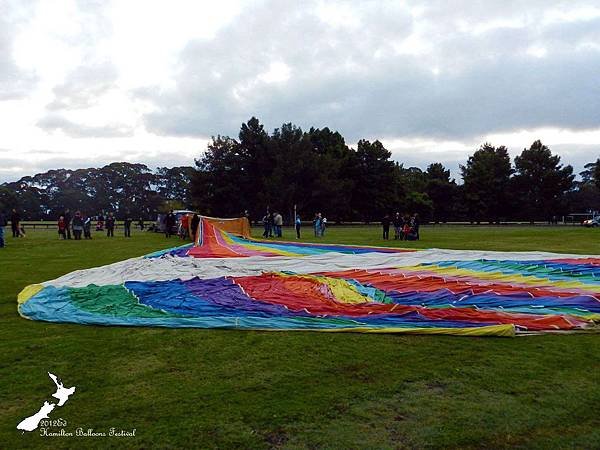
159,225
592,223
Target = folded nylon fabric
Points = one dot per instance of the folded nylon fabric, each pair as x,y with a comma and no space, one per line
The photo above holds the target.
231,282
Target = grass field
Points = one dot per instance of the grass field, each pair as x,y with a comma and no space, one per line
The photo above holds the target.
216,388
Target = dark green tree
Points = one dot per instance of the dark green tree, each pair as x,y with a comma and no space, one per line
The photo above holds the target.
486,179
441,190
217,187
333,184
541,182
374,174
258,160
591,174
173,183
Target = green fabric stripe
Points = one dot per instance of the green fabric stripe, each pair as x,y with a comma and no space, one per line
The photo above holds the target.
112,300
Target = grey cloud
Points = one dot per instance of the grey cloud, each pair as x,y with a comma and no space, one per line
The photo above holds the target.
352,80
53,122
84,86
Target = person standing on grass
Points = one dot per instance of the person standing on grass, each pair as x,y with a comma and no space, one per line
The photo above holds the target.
317,224
15,220
100,222
267,225
414,224
385,222
298,225
278,222
398,224
271,224
62,227
323,225
77,226
110,225
169,223
87,227
185,227
127,226
195,223
3,223
67,216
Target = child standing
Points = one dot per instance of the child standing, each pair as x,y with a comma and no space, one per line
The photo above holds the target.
77,226
62,227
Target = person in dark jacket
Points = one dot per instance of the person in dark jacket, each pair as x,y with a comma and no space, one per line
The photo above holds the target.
3,223
110,225
298,226
385,222
100,223
87,227
77,226
398,224
15,220
195,223
127,226
170,220
68,218
267,225
414,224
271,224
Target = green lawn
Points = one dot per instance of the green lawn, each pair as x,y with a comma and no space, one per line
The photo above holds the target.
204,388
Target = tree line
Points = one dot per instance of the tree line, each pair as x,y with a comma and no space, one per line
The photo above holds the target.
318,172
123,188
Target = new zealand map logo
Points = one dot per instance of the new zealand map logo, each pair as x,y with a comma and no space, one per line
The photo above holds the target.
62,394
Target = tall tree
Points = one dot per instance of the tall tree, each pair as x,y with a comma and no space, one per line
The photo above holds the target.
441,190
174,183
374,191
591,174
541,182
220,187
486,179
333,185
294,175
258,158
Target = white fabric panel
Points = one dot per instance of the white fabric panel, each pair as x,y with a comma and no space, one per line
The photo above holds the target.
169,267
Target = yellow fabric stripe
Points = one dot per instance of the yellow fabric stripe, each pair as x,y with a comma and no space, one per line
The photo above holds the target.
258,247
343,291
28,292
499,276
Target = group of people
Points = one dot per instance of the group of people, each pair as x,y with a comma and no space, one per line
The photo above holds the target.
18,230
319,225
273,225
185,227
74,226
406,227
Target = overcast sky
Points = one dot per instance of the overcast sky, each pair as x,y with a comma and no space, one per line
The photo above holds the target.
84,83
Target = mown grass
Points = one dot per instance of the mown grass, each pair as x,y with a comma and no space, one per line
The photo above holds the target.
208,388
